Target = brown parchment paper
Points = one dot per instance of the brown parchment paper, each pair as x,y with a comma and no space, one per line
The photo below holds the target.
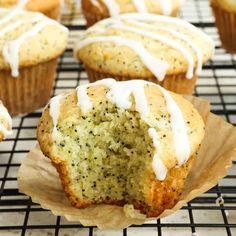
39,179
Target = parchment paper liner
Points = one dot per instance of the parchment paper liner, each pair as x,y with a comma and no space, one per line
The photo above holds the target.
39,179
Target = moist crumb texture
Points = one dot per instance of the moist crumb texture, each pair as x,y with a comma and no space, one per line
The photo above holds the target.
105,155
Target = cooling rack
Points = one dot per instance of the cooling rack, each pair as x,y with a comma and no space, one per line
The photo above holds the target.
213,213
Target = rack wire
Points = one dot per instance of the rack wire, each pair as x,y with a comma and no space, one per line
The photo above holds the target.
202,216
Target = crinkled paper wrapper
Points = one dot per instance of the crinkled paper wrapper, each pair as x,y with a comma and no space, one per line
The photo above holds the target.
39,179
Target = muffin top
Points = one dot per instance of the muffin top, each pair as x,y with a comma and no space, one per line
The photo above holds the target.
174,126
29,38
30,5
116,7
144,45
229,5
5,122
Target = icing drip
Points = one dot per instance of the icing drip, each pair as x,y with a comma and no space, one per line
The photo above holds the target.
112,7
157,164
166,7
166,19
113,95
83,99
54,113
136,88
11,48
9,17
177,34
164,40
4,113
140,6
21,4
147,28
180,132
17,24
156,66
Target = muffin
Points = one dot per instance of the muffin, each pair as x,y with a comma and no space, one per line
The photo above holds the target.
5,123
138,46
30,46
96,10
225,16
126,143
50,8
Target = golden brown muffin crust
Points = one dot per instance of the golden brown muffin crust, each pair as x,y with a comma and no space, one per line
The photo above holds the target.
164,44
159,195
44,45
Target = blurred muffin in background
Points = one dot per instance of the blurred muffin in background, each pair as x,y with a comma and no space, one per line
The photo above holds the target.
30,44
225,16
96,10
50,8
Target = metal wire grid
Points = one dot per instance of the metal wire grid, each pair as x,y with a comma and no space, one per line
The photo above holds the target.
202,216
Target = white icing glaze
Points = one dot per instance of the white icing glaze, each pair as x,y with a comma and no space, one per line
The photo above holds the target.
123,102
158,166
11,48
156,66
8,17
165,19
140,6
4,113
55,113
15,25
112,7
83,99
131,23
177,34
185,52
166,7
21,4
180,132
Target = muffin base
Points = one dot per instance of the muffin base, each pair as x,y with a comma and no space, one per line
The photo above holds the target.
31,90
226,22
176,83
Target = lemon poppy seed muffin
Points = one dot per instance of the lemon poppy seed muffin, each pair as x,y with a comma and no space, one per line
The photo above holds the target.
160,49
5,122
30,44
119,143
96,10
225,16
50,8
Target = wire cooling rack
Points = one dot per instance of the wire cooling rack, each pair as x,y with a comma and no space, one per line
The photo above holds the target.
202,216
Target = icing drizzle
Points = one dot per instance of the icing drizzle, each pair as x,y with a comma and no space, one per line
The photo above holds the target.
157,164
136,88
166,7
4,113
21,4
11,48
140,24
150,61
